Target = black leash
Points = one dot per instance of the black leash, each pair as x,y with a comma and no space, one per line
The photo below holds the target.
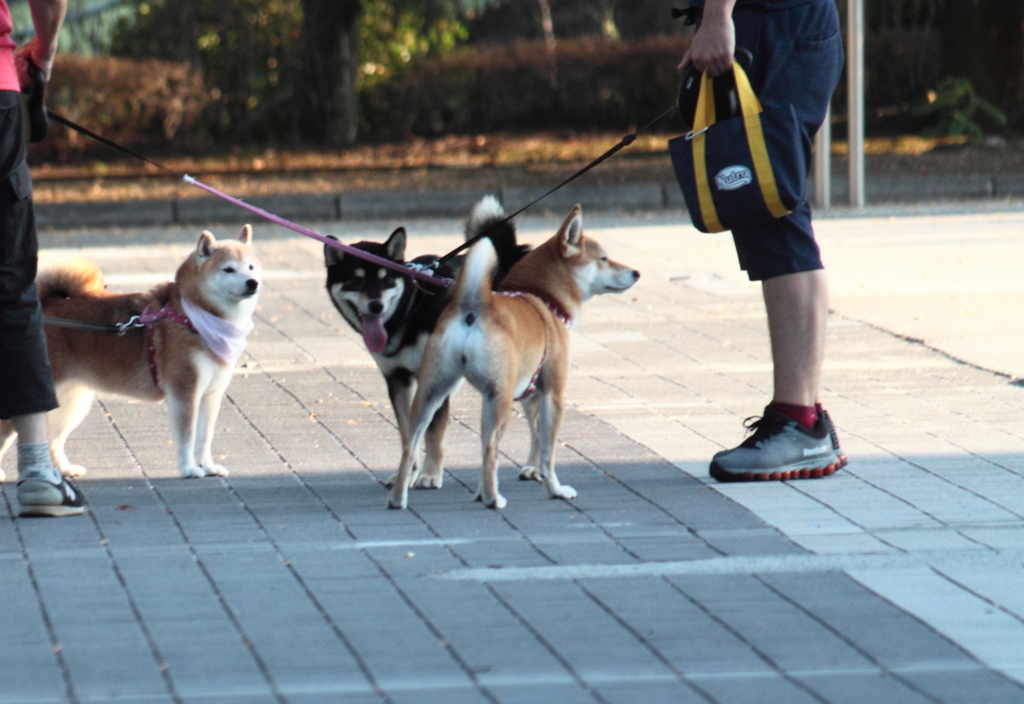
117,329
624,142
99,138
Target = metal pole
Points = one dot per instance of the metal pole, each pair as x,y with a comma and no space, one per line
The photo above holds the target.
855,99
823,164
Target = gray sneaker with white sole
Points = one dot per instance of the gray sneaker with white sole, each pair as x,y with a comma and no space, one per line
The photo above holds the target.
40,497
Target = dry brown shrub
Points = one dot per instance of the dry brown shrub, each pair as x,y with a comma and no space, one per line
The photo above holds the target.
129,101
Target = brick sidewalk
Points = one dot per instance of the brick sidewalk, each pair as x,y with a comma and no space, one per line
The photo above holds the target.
898,580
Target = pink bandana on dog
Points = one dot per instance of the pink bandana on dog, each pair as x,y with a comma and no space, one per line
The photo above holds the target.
224,339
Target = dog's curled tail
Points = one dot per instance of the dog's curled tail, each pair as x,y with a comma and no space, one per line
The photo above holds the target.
473,287
68,278
488,217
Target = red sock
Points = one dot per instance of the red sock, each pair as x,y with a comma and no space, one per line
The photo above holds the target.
806,416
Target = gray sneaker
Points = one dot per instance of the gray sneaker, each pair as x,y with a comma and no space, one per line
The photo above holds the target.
780,448
827,420
39,497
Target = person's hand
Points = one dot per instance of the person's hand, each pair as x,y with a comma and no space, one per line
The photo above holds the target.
36,52
713,45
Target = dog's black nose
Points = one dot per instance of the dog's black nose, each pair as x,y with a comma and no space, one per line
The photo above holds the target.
252,284
636,275
375,307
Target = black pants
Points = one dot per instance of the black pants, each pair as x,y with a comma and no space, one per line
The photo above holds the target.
26,385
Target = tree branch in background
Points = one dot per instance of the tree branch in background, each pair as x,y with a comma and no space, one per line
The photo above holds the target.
549,41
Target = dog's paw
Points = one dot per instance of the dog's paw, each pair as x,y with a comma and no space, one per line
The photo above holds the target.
400,503
192,472
497,502
563,491
73,470
529,473
427,481
390,481
215,470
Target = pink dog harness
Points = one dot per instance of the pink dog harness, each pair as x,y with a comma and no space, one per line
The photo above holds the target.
531,388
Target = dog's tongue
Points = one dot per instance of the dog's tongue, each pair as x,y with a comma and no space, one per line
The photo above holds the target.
374,334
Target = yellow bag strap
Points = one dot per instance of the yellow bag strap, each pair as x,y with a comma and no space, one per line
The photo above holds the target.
751,108
704,118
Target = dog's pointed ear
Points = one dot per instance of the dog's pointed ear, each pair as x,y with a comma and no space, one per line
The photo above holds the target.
245,236
207,243
332,256
395,246
571,232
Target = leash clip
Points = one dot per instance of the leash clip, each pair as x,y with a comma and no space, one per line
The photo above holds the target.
430,269
426,268
130,324
691,134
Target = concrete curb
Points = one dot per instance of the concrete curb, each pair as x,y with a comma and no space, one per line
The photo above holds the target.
370,205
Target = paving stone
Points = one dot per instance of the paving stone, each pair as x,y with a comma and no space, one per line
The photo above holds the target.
528,693
904,645
662,692
855,688
290,581
778,629
975,686
770,687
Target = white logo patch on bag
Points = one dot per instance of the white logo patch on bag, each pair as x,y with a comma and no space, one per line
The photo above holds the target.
732,177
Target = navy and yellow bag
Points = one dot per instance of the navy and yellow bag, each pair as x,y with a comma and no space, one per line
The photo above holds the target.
740,171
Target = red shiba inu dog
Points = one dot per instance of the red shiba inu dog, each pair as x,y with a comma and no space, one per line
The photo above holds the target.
192,333
511,345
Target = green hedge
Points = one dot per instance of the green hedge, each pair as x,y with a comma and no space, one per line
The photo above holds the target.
601,84
607,84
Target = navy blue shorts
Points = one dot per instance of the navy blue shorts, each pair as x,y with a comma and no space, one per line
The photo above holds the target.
798,58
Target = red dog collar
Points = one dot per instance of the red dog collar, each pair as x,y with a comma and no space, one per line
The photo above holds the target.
148,319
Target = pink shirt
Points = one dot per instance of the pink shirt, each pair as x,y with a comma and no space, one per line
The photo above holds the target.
8,74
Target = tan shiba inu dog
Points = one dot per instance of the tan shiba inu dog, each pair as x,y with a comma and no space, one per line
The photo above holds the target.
194,333
511,345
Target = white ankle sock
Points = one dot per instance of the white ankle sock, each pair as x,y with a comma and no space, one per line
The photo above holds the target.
34,462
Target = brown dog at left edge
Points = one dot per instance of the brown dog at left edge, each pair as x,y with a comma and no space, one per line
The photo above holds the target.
511,345
186,355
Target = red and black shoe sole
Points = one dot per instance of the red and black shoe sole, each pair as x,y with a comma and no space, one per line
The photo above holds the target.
723,475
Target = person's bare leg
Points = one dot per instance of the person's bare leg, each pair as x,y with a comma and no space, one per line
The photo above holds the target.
34,458
783,447
797,306
31,427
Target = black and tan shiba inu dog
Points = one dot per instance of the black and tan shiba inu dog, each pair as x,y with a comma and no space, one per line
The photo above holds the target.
395,316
